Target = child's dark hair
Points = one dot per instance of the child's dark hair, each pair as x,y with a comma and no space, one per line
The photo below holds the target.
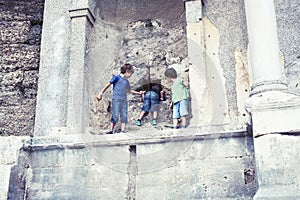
126,67
171,73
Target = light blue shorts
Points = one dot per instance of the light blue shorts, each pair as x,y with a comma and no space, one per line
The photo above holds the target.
119,108
180,109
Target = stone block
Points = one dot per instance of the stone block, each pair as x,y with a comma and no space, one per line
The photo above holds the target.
206,169
4,180
82,182
20,122
22,10
19,56
9,149
277,158
274,112
14,32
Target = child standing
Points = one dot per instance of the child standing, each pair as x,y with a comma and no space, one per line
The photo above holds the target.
150,103
180,96
119,98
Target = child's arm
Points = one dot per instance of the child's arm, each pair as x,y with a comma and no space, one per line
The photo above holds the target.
185,82
136,92
171,105
99,97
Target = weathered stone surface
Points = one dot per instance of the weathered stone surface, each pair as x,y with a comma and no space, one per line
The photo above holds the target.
76,173
233,35
293,76
20,35
18,86
201,172
278,176
14,32
288,26
151,48
22,10
16,56
11,158
206,167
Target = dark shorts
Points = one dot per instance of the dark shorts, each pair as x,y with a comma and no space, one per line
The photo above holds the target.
150,101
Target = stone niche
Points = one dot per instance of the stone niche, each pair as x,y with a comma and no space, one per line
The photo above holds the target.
91,40
150,36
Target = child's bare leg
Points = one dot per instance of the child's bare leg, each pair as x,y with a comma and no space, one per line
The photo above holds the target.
175,122
154,114
141,115
112,126
123,126
183,121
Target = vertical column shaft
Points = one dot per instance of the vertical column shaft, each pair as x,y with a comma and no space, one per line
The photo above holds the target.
77,102
51,108
197,72
264,49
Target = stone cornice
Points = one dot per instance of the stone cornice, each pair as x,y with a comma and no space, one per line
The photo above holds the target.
272,100
83,12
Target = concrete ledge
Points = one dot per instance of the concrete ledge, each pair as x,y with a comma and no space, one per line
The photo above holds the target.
79,141
277,193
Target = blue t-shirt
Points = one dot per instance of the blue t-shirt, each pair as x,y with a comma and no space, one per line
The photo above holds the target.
120,87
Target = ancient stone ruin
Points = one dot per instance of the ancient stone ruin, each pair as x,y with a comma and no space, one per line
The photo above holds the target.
242,64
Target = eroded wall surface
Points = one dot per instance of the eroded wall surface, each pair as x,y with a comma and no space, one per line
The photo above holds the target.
20,37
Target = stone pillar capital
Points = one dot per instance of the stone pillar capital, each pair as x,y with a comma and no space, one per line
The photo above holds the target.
82,12
193,11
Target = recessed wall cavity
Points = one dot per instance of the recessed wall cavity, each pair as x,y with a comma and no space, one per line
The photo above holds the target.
150,35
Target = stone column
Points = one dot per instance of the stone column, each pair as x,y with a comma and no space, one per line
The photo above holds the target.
77,114
264,50
197,71
51,109
275,113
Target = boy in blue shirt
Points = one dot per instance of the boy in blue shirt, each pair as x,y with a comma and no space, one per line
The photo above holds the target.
119,98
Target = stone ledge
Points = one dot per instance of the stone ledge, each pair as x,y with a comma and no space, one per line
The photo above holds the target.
79,141
277,193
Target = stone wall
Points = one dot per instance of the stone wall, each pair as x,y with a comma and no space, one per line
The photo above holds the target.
20,36
181,165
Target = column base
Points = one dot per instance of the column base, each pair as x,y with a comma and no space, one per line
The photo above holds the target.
277,166
265,86
274,112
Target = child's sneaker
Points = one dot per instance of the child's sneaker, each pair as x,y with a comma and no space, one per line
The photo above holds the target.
138,122
154,122
110,132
